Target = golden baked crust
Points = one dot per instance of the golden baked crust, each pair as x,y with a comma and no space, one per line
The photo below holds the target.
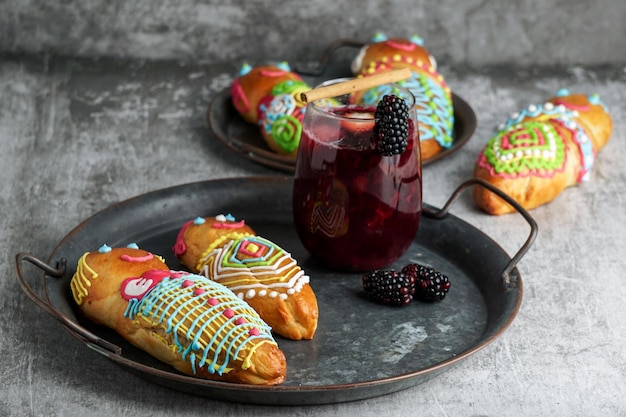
248,89
257,270
179,318
433,97
541,151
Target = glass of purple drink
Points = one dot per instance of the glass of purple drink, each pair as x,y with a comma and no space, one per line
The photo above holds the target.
355,208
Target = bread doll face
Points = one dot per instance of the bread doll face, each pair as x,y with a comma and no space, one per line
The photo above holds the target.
106,262
382,46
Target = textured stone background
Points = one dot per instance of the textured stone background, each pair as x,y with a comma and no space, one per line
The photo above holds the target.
470,32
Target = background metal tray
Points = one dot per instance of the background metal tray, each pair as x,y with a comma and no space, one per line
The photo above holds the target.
361,349
245,139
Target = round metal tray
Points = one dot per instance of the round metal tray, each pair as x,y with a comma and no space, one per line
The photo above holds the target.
361,349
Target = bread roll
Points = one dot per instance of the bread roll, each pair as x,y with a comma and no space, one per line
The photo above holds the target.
433,97
542,150
257,270
254,83
280,117
187,321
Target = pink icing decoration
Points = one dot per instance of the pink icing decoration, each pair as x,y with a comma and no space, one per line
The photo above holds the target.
241,320
240,101
187,283
199,291
221,225
254,332
129,258
178,274
137,287
229,313
180,247
213,301
408,47
571,106
273,73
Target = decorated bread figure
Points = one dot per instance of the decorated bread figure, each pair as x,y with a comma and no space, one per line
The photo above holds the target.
254,83
256,269
185,320
266,96
540,151
433,97
280,117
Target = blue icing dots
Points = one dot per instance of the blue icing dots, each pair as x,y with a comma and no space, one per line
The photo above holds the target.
199,220
225,217
379,37
417,40
284,66
104,249
245,68
562,92
133,246
594,99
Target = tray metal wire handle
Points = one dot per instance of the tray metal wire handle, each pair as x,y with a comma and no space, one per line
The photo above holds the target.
510,273
326,55
76,330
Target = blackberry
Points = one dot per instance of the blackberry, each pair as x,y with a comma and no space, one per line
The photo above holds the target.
391,127
388,287
430,284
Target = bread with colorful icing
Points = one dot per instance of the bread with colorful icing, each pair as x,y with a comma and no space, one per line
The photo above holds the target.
542,150
254,83
190,322
266,96
433,97
256,269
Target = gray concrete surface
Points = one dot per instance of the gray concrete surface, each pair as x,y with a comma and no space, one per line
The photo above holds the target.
78,136
472,32
81,132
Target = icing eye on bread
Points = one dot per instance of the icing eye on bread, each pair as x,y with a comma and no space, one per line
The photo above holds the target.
194,324
542,150
257,270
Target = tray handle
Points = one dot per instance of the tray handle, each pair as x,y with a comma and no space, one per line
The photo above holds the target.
81,333
326,55
510,274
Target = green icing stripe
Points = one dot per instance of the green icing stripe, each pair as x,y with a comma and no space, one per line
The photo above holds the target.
530,146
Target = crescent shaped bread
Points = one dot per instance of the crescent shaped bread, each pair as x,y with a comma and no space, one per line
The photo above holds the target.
254,83
187,321
433,97
254,268
542,150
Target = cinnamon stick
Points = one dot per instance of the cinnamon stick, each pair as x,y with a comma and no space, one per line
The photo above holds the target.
355,84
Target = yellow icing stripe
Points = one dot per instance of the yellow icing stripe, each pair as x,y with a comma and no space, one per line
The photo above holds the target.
80,281
246,362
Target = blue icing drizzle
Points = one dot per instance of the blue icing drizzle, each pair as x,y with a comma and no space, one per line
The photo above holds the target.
104,249
435,123
211,335
547,109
